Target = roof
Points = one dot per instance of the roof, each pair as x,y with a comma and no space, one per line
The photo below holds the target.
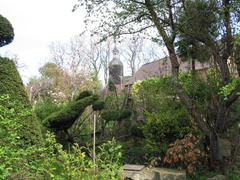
163,67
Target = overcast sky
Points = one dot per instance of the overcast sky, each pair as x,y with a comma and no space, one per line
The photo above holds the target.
36,24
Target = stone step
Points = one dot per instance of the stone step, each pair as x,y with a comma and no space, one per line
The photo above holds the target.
154,174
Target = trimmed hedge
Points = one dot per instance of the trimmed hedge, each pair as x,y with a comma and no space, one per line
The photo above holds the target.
11,83
115,115
6,31
83,95
98,105
64,119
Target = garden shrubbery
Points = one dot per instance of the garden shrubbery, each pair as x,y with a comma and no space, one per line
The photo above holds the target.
11,83
48,160
165,117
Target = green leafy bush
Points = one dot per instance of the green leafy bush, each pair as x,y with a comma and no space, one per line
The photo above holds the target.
48,160
170,123
166,119
109,157
45,107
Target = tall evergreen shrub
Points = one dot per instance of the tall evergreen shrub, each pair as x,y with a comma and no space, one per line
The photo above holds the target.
11,84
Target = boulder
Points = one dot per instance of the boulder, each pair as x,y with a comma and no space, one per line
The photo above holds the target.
155,174
218,177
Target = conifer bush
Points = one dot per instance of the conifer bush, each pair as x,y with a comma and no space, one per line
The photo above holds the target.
98,105
64,119
6,31
11,84
116,115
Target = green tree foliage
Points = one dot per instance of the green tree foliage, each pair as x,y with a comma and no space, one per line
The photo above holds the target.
206,29
201,23
11,84
45,107
48,160
6,31
166,117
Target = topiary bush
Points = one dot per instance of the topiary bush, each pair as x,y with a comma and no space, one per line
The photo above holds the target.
64,119
11,84
98,105
6,31
83,95
116,115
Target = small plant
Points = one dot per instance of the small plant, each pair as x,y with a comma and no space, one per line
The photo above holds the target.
109,158
186,153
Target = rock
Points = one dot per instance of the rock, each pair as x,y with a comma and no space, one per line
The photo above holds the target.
224,146
155,174
218,177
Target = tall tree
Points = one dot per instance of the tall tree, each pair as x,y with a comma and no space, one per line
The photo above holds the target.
137,51
209,25
57,82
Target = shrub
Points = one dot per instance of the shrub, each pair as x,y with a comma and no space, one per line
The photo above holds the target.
170,123
116,115
98,105
166,119
109,157
65,118
186,153
11,83
83,95
48,160
6,31
45,107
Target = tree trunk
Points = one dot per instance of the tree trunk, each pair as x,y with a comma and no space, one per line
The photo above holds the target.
213,150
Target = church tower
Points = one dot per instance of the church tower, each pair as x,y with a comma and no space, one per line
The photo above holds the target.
116,67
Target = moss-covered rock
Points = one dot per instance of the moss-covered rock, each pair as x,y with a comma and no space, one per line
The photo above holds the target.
64,119
11,83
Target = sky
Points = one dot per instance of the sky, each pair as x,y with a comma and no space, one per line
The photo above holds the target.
38,23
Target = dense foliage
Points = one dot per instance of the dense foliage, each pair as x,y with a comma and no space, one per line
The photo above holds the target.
186,153
45,107
11,83
163,117
48,160
64,119
6,31
198,30
166,118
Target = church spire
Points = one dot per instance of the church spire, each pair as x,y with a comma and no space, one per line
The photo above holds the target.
116,66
